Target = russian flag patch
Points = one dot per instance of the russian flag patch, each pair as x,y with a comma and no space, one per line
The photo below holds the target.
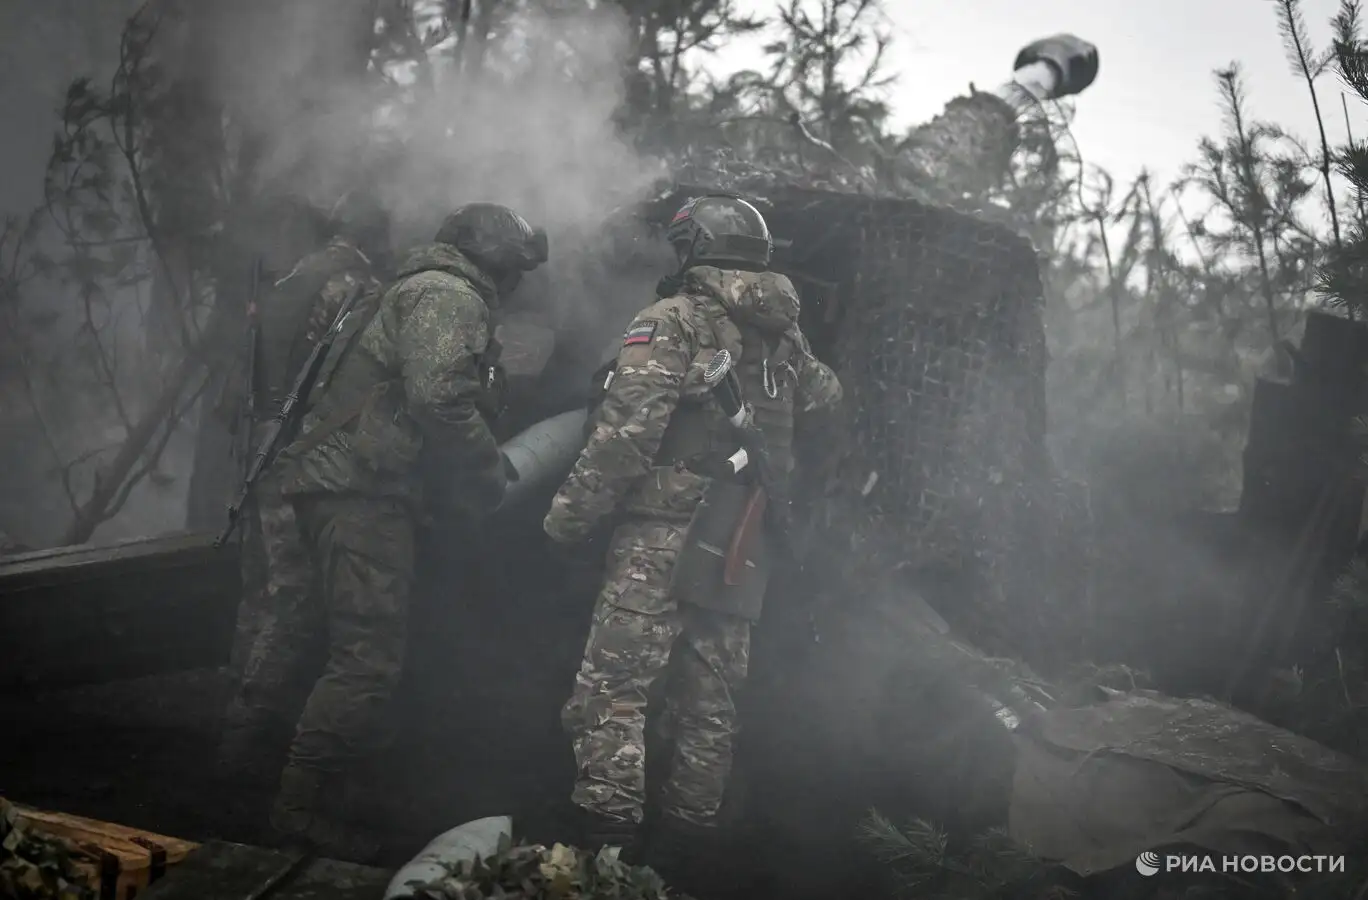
640,333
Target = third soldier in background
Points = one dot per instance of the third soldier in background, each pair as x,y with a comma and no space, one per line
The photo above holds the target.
659,440
292,315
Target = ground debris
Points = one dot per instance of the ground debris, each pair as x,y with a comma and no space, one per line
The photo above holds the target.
35,866
535,871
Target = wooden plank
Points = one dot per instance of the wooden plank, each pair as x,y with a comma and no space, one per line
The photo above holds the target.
220,870
67,565
81,615
116,862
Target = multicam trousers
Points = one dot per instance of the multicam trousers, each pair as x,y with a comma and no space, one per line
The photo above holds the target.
351,594
638,632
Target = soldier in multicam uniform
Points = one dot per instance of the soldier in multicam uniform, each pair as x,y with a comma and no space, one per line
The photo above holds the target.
277,574
401,422
654,456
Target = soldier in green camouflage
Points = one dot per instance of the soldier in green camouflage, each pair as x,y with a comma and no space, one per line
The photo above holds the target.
277,573
655,460
399,427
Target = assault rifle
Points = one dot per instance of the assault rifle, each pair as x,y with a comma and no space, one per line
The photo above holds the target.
248,410
286,420
768,498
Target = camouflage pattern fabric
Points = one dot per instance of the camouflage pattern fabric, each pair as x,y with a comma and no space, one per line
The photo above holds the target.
364,550
638,627
296,311
961,152
35,866
534,872
279,615
660,364
636,630
292,315
424,344
948,161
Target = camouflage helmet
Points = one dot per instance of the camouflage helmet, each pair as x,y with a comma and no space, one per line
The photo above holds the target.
495,238
721,230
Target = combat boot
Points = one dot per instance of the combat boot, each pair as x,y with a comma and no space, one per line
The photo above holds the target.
688,856
298,820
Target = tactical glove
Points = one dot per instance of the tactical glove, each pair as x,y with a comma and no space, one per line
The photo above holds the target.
1074,59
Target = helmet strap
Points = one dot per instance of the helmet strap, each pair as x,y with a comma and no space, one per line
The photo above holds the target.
670,284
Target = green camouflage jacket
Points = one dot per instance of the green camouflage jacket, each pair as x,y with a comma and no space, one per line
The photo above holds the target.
659,365
400,413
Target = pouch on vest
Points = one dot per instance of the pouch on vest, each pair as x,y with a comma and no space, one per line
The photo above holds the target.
700,573
493,381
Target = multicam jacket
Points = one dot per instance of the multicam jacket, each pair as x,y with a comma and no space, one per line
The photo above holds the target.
400,412
656,430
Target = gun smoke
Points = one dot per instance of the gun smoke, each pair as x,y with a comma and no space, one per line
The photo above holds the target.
317,98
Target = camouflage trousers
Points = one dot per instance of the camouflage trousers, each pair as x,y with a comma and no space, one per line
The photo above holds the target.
639,634
277,611
349,598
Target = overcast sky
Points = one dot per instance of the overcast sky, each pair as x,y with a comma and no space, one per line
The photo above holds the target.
1155,94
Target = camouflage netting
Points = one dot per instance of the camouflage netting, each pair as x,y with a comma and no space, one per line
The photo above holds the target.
934,321
533,872
35,866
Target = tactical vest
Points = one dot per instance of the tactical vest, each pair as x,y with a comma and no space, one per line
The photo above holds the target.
699,436
354,386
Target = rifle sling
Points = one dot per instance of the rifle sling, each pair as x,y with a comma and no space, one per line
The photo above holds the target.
341,418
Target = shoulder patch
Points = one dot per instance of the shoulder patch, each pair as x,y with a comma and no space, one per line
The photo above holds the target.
640,333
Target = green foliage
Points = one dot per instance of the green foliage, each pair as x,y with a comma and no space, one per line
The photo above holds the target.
534,872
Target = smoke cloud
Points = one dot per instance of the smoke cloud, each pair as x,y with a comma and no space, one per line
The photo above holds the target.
526,119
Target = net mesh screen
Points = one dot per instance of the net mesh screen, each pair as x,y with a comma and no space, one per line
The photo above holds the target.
934,321
935,327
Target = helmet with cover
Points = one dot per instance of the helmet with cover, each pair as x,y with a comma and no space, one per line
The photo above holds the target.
721,230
